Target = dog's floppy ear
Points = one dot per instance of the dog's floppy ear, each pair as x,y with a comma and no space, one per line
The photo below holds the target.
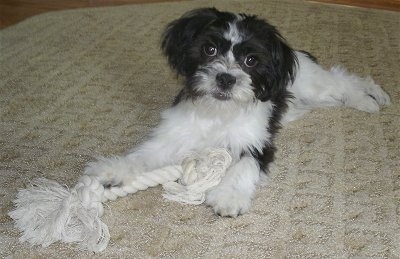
284,62
179,35
281,67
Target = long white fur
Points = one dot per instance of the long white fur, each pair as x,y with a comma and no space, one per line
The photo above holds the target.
316,87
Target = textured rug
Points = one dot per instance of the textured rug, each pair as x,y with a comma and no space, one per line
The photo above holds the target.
83,83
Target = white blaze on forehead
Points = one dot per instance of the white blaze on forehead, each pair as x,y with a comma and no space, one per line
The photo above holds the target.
230,58
233,34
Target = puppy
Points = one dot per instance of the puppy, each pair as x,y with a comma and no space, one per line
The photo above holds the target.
241,81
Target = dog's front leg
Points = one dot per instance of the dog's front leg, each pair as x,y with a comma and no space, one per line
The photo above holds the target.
157,152
232,197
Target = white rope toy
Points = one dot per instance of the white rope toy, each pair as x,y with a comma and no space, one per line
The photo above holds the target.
47,212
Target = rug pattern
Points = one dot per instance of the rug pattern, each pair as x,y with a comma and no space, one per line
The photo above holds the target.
91,82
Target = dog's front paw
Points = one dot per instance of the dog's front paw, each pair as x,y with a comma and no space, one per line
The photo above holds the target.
228,203
110,172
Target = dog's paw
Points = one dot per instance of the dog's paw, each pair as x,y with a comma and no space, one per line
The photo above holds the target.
365,103
370,97
110,172
228,203
376,92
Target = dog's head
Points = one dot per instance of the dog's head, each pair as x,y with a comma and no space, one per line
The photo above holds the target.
228,57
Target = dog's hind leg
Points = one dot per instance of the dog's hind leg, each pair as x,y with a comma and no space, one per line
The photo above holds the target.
315,87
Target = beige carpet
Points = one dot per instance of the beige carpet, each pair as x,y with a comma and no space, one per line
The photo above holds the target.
82,83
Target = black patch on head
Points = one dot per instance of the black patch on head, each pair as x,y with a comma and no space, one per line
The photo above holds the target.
184,39
277,61
191,31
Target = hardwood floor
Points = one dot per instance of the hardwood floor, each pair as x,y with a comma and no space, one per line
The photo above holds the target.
392,5
14,11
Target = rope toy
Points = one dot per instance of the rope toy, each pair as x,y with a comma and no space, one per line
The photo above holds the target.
47,212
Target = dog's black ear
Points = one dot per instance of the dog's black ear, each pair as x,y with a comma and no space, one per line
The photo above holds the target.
280,68
180,34
283,66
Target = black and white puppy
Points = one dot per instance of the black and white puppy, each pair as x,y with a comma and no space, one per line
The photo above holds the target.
241,81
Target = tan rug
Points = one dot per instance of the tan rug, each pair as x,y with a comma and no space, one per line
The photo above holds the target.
82,83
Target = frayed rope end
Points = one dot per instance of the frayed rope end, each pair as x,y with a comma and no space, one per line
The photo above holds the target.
47,212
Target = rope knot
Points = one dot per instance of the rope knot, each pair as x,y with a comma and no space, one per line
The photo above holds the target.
200,172
90,192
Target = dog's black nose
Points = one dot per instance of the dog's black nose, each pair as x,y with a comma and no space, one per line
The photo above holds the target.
225,81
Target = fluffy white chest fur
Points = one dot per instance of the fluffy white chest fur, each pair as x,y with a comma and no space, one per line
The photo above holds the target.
198,125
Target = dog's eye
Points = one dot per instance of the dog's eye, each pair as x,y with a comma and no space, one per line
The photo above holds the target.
210,50
251,61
